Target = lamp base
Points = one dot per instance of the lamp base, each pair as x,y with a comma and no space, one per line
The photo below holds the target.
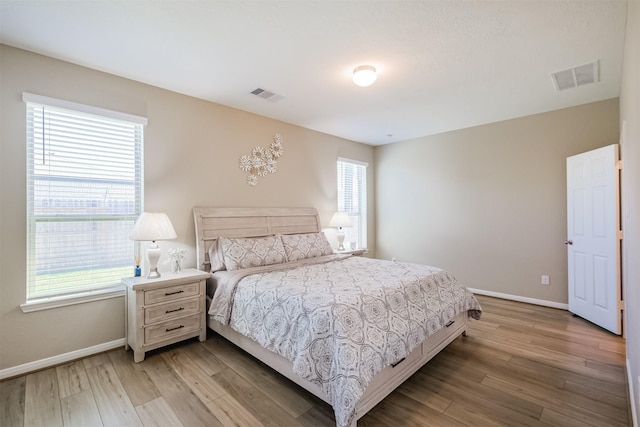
153,254
340,237
153,274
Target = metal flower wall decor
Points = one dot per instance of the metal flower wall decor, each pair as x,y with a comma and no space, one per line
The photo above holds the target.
262,161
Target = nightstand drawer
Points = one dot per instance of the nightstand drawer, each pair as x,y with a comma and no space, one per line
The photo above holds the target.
171,310
171,293
171,329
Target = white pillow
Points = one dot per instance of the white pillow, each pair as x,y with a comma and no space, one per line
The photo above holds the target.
308,245
252,252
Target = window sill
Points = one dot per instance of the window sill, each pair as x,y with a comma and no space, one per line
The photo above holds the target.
62,301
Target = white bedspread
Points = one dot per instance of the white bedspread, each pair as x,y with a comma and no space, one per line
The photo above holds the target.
340,320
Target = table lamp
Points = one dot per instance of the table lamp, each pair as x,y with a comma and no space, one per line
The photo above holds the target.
339,220
153,227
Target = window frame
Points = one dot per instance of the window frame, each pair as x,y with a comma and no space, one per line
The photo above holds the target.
88,293
358,218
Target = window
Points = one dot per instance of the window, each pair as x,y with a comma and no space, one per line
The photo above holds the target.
352,198
84,193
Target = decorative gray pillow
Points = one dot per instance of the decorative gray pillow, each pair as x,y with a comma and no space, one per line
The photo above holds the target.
252,252
308,245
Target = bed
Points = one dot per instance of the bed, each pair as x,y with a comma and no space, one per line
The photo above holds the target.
347,329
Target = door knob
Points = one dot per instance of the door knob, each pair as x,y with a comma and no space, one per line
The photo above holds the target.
568,242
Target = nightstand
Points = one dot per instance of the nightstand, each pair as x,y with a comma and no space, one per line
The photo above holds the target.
163,311
356,252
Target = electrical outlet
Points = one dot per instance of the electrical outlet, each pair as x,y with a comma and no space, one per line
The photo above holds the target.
544,280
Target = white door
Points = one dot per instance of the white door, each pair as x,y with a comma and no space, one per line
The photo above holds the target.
593,240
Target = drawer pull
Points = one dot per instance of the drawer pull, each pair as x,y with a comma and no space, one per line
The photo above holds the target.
451,322
173,329
393,365
173,293
173,311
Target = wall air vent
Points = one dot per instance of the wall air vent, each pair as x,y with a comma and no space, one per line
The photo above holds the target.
577,76
266,94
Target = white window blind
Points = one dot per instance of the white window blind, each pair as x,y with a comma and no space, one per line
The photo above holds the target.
352,198
84,193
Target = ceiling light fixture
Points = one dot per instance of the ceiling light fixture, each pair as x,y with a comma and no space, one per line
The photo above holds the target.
364,75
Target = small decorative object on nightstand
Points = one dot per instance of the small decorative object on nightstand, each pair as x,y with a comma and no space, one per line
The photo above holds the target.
137,271
163,311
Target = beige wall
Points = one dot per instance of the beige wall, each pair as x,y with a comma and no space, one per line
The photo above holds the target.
192,149
489,203
630,151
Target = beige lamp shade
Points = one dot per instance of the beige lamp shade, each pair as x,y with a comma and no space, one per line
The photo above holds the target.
153,226
339,220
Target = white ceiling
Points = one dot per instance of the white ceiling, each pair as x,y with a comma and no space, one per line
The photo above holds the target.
442,65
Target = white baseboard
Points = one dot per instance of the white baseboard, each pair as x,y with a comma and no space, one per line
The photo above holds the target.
632,399
535,301
61,358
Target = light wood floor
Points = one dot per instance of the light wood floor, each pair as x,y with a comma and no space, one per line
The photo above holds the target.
521,365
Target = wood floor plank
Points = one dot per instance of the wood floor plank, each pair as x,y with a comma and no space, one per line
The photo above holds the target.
259,404
544,374
158,413
42,399
530,351
587,391
613,346
12,399
72,379
553,331
398,410
139,387
566,404
522,411
496,320
470,371
96,360
209,363
261,376
469,416
482,404
320,416
190,410
576,368
413,389
134,379
470,347
554,418
232,413
612,370
578,349
610,387
512,335
80,410
203,385
112,400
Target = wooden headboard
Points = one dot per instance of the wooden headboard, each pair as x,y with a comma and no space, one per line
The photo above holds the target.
212,223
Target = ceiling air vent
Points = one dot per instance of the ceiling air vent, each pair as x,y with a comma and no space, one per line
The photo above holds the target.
268,95
577,76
